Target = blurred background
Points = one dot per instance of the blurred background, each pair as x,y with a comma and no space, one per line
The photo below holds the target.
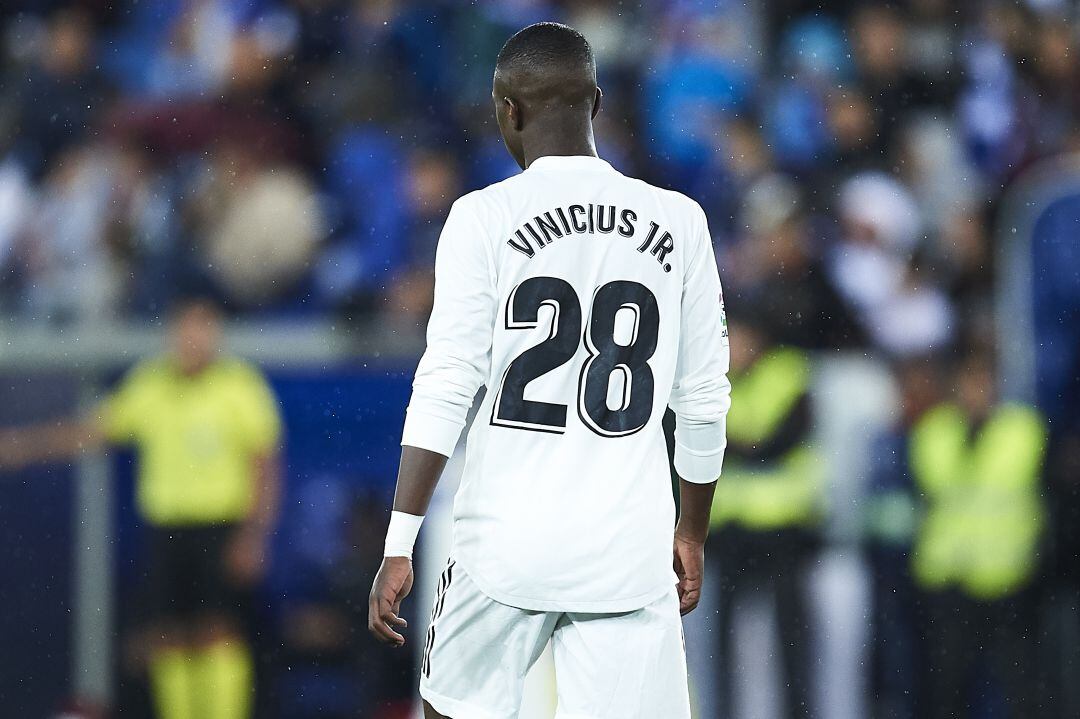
894,198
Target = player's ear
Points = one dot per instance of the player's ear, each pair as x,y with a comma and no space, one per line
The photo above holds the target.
513,113
596,101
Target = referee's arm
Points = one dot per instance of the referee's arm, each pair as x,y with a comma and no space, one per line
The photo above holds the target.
115,420
50,442
247,552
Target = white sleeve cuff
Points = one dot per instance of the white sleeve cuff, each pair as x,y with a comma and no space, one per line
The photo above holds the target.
698,468
699,450
430,432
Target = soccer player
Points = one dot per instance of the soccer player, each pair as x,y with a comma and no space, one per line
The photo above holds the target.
586,302
207,430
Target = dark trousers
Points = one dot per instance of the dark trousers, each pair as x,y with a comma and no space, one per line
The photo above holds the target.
978,654
770,563
894,652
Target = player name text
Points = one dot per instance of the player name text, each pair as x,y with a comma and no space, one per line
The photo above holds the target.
543,229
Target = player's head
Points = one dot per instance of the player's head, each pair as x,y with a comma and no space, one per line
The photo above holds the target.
545,79
194,333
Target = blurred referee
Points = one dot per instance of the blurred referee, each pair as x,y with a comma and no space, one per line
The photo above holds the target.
206,429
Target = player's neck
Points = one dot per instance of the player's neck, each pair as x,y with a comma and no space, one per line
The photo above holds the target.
560,142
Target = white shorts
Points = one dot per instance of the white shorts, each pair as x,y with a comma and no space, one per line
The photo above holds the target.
607,666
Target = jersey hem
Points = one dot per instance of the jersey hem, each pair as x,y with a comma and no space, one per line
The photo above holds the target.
604,606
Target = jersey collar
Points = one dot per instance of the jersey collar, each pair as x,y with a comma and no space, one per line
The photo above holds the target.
569,162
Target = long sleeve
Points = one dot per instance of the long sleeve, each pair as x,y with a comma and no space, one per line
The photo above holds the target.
701,394
458,356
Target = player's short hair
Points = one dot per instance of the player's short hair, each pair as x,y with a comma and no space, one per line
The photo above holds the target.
548,48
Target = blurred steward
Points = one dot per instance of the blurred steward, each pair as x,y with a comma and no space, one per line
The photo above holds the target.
976,463
207,431
890,523
769,506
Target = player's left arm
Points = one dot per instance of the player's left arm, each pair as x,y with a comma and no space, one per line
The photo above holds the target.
418,475
700,398
452,370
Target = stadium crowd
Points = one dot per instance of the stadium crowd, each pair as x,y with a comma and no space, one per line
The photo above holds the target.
151,148
295,159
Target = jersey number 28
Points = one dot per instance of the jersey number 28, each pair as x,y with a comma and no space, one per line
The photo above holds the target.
606,356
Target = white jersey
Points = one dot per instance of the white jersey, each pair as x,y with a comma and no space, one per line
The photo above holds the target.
587,302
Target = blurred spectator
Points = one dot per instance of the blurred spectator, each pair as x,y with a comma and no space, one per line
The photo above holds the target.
73,260
941,177
895,87
335,99
433,184
871,268
61,93
768,508
989,103
701,74
261,224
393,209
815,53
777,271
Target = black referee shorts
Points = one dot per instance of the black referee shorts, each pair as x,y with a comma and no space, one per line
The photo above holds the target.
187,573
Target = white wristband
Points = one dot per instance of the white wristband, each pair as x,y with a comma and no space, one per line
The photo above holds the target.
401,534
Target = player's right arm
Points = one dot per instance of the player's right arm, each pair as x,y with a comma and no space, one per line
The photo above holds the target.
452,370
700,398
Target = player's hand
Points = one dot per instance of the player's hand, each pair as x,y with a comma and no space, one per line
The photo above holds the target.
689,568
392,584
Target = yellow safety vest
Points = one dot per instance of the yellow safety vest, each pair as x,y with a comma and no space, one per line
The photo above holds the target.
984,512
783,493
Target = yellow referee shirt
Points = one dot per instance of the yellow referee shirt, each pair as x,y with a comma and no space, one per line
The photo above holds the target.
196,436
